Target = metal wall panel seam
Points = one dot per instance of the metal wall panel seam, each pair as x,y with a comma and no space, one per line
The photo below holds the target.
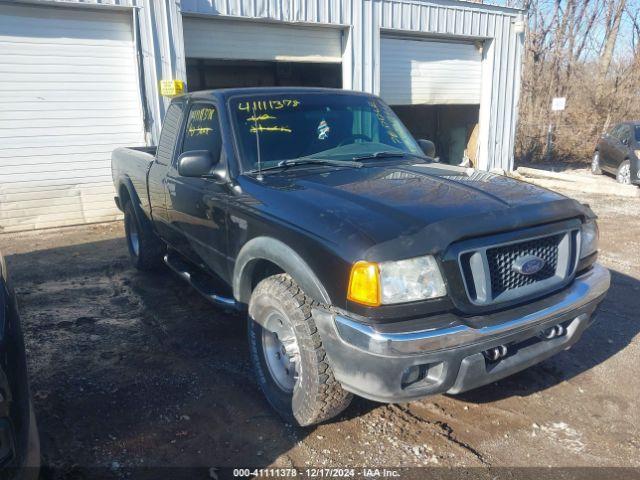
152,73
516,98
495,86
508,96
500,94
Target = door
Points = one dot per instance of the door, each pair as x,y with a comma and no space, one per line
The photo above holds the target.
435,89
605,148
613,148
69,95
424,72
197,206
241,40
623,145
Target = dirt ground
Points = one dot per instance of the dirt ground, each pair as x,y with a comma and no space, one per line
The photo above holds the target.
135,370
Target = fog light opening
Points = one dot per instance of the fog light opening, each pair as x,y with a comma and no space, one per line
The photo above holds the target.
496,353
553,332
417,376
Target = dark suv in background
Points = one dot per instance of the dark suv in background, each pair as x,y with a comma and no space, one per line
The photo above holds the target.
618,152
19,445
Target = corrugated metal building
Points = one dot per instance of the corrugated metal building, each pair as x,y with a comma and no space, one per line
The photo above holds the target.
81,77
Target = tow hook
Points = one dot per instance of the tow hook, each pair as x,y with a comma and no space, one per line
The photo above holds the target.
496,353
552,332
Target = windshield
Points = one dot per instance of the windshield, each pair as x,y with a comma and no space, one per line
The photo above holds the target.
329,126
637,132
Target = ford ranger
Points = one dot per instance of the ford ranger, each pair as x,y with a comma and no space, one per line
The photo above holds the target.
364,266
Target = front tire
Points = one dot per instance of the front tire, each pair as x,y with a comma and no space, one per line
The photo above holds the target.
595,164
623,176
145,248
288,357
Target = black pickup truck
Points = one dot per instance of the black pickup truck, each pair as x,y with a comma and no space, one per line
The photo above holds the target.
365,267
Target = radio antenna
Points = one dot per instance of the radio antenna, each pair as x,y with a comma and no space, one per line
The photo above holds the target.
259,156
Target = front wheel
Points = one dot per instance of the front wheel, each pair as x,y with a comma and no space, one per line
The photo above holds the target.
623,175
287,354
595,164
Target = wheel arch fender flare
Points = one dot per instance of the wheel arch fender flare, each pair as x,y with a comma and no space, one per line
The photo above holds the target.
279,253
125,183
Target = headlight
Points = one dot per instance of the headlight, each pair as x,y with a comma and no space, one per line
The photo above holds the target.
589,238
396,282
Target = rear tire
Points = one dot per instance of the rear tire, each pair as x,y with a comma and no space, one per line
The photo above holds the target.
595,164
623,175
303,390
145,248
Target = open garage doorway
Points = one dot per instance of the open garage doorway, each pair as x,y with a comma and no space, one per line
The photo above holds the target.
204,74
434,85
226,53
453,128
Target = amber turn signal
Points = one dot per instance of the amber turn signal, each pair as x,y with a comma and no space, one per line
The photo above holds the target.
364,284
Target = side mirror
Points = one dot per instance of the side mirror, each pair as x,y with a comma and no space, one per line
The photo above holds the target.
428,147
625,141
197,163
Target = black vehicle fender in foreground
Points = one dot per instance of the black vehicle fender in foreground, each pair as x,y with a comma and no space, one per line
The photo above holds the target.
127,194
280,254
19,443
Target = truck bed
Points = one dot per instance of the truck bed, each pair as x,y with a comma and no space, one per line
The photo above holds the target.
132,164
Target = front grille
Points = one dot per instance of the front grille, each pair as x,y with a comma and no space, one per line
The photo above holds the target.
490,275
501,260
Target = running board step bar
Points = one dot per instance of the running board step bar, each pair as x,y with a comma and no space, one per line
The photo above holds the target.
199,282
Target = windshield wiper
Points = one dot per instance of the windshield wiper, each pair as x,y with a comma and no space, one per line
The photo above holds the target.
321,161
293,162
382,154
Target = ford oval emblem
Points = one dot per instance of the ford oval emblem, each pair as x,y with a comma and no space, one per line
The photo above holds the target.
528,265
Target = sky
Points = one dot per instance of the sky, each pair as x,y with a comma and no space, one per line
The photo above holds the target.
624,45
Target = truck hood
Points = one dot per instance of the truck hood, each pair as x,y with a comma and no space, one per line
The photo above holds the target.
383,212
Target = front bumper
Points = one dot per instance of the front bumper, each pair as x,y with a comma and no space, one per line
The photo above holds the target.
401,365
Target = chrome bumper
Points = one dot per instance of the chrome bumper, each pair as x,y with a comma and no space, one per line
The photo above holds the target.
381,365
584,290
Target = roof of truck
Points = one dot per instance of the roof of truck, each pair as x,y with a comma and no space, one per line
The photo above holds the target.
226,93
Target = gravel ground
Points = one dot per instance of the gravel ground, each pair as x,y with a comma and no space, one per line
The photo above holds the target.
135,370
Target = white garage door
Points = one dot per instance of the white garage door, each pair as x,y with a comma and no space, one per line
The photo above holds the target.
69,95
241,40
427,72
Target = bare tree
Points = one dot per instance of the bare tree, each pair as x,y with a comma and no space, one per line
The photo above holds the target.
615,10
572,50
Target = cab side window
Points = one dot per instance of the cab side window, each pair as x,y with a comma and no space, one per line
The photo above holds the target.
202,131
170,128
